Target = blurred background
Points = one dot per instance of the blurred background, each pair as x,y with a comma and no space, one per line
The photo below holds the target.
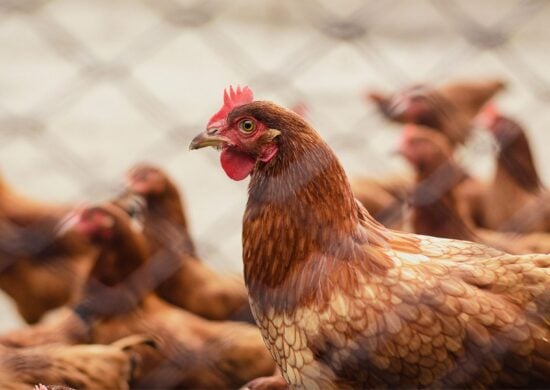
90,87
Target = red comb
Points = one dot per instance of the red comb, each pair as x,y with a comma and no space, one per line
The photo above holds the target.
235,98
488,115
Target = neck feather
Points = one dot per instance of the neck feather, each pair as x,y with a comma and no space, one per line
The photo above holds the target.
515,160
301,221
166,224
435,210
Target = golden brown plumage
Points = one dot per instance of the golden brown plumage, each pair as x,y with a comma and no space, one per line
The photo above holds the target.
184,280
79,366
344,302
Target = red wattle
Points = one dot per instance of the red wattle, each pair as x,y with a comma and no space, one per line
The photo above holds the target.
237,165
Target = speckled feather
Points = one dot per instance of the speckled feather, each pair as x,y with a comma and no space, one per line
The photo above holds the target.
344,302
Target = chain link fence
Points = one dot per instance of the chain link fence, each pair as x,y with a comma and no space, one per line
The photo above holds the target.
89,88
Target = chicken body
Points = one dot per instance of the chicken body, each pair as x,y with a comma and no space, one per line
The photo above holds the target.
85,367
193,352
40,269
183,279
436,208
343,302
516,200
118,301
449,109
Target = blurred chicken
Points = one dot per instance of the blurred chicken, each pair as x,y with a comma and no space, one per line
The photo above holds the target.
192,352
516,200
81,366
184,280
449,108
41,267
343,302
437,211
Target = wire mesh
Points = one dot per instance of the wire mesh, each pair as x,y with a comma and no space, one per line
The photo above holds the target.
89,88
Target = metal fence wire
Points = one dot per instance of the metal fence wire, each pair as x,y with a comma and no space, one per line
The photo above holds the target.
88,88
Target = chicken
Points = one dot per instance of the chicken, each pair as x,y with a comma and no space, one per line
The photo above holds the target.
184,280
449,108
41,268
164,213
192,352
437,210
342,301
80,366
516,200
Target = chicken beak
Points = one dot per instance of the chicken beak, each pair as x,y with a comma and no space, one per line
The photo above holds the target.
204,139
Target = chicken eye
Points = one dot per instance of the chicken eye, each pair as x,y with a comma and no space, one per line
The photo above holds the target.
247,126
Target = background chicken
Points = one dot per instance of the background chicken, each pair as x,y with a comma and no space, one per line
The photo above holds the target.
450,109
41,267
183,279
516,200
438,210
342,301
192,352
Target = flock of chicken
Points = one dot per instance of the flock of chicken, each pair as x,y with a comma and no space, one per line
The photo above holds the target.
340,299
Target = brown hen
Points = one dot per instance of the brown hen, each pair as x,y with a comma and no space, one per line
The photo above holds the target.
343,302
184,280
192,352
41,267
516,200
438,211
